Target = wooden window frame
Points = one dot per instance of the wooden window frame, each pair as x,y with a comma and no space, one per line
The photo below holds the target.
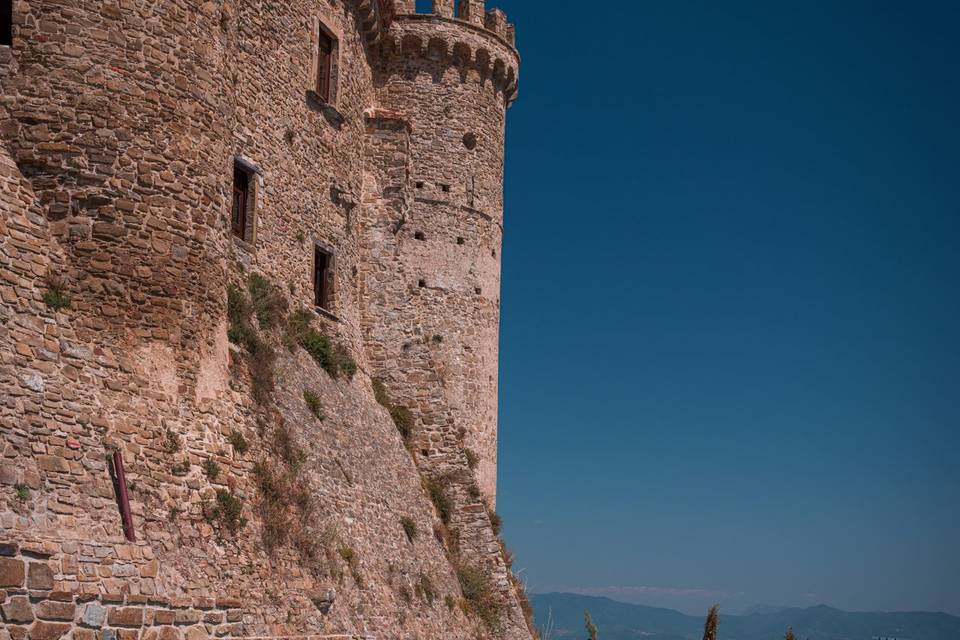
326,46
324,80
241,202
324,270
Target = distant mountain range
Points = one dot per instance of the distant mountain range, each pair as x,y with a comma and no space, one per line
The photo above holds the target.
622,621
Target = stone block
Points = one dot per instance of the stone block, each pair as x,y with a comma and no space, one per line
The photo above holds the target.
197,632
8,548
41,630
125,616
11,572
18,610
53,610
39,576
164,616
94,615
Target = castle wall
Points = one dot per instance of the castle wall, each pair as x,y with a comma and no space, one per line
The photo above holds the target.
119,126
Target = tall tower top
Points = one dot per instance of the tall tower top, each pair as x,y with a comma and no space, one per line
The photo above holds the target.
463,33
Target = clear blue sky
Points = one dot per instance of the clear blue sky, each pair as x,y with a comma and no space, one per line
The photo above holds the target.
731,303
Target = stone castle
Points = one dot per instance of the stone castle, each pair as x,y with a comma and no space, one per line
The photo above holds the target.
250,275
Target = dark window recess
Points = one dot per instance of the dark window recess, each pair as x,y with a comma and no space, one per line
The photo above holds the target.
419,235
445,188
324,65
6,22
419,185
422,283
322,278
241,202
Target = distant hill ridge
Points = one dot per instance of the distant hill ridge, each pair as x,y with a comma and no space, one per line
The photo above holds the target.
623,621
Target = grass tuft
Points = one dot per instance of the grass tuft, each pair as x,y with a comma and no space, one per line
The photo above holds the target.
479,595
238,442
56,296
314,404
409,528
440,498
332,358
269,303
229,511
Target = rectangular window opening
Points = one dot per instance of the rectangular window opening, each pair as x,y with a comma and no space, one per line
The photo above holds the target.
6,22
324,64
241,203
322,278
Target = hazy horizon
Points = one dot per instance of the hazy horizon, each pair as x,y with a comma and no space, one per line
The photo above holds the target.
730,351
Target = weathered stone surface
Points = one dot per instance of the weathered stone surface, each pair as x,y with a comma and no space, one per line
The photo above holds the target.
125,616
41,630
122,125
18,610
11,572
39,576
8,548
53,610
94,615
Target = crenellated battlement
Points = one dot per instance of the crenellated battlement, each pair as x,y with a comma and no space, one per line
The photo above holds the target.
475,40
469,11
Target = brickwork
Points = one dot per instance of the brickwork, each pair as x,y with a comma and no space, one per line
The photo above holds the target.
120,123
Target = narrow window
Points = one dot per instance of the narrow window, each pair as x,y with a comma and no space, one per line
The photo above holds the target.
324,64
322,278
6,22
241,202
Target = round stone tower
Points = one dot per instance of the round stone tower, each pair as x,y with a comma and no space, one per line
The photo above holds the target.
434,196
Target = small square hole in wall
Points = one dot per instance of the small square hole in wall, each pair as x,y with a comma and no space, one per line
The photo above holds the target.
422,283
479,291
445,188
419,185
493,253
420,235
460,240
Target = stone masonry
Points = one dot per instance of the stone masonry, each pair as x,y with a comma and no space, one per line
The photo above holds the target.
122,124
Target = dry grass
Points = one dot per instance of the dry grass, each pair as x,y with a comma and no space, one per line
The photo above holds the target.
479,595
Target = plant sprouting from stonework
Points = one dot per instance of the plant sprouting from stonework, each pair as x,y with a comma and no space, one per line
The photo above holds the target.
171,442
591,628
268,302
229,511
211,469
334,358
314,404
790,635
260,355
353,563
180,469
713,621
479,595
22,492
238,442
440,498
401,416
56,296
472,458
409,528
425,589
